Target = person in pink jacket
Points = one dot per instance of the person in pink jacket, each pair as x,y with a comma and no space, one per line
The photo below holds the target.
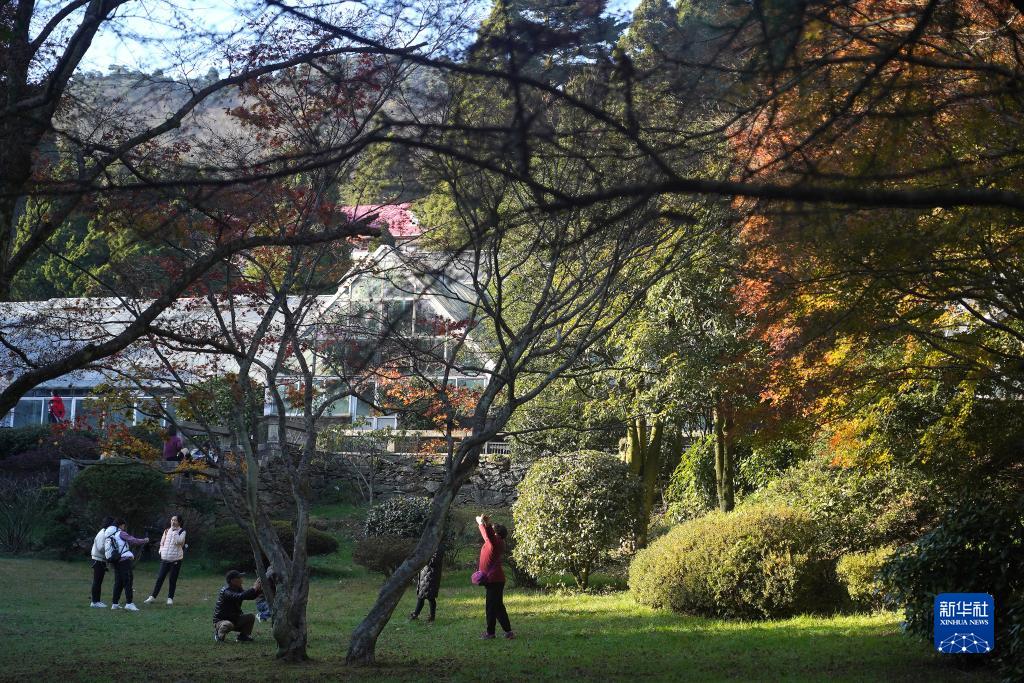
491,554
172,552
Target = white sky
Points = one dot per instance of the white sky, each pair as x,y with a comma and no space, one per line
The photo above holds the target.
147,37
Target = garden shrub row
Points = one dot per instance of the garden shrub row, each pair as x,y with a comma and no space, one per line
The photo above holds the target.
229,545
855,509
859,573
759,561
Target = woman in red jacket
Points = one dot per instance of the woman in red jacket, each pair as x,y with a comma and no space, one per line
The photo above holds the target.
494,576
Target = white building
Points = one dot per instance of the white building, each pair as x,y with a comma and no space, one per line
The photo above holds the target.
399,306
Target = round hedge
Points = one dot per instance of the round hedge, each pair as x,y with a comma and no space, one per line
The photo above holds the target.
121,488
230,546
382,554
402,517
572,511
755,562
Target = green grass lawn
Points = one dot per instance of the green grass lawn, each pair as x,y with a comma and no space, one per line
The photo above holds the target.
49,632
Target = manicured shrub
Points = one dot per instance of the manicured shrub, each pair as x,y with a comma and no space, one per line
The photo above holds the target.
317,542
229,545
21,439
855,509
122,488
521,576
755,562
401,517
572,511
391,530
858,573
382,554
978,547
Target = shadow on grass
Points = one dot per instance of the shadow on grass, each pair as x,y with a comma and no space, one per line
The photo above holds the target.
49,633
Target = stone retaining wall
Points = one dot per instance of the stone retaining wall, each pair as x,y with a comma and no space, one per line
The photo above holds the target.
494,484
390,474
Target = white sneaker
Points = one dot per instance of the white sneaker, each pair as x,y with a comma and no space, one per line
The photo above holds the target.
149,599
131,607
97,604
170,601
116,606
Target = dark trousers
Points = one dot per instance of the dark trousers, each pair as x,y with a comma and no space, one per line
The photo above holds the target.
123,579
170,569
99,570
495,607
419,606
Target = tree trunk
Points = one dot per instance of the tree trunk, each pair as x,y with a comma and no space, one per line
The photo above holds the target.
362,646
643,456
723,457
652,468
290,630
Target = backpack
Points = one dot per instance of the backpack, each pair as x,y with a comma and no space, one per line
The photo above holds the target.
111,548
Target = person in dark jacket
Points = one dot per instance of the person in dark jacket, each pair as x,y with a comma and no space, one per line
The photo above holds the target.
227,613
428,585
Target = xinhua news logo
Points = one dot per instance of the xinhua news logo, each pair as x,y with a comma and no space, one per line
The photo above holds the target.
965,623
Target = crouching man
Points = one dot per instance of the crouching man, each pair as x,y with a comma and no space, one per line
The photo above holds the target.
227,615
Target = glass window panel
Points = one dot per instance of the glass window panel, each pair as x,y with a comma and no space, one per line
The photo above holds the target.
363,402
89,412
474,383
28,412
340,408
366,287
148,410
427,321
399,316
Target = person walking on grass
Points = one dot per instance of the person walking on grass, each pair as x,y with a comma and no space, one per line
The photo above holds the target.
119,553
428,584
99,560
492,577
172,552
227,613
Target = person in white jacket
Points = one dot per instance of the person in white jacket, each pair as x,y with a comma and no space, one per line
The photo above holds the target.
99,560
172,552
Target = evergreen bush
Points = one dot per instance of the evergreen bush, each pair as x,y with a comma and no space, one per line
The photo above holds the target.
859,574
18,439
402,517
691,488
573,510
855,509
121,488
756,562
230,546
978,547
382,554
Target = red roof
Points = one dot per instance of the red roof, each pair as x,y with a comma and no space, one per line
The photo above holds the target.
397,218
